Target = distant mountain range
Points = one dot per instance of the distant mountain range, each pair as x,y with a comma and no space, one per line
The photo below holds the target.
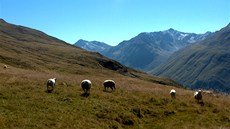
204,64
194,60
147,50
94,46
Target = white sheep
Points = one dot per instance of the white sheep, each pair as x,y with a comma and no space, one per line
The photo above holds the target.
5,66
50,84
86,85
198,96
173,93
109,84
208,92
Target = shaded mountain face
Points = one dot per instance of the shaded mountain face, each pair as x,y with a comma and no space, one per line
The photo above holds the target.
149,50
93,46
203,65
26,48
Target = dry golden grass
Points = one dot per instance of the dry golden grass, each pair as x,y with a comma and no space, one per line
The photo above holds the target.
135,103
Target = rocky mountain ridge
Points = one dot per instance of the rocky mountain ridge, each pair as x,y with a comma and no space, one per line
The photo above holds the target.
204,65
149,50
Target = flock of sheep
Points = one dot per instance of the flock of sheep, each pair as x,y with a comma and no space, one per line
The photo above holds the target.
197,96
86,85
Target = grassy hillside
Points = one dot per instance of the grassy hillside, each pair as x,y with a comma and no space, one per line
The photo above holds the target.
135,103
140,101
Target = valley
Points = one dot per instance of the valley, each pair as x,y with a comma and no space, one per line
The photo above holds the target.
196,61
140,101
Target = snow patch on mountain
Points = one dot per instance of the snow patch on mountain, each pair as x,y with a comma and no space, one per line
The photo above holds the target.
94,46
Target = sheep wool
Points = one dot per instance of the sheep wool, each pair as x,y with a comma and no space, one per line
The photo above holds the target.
86,85
109,84
50,84
173,93
198,96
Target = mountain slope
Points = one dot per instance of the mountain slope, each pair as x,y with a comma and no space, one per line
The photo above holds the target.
202,65
31,49
93,46
139,101
148,50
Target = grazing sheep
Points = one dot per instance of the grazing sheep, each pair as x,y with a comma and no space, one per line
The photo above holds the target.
86,85
5,66
173,94
198,96
109,84
208,92
50,84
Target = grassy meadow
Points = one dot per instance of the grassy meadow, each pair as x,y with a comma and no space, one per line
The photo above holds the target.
136,104
140,101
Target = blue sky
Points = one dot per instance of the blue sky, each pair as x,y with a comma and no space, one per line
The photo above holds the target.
112,21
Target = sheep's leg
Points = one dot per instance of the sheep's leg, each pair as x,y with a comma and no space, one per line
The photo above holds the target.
85,91
105,88
49,88
111,88
88,92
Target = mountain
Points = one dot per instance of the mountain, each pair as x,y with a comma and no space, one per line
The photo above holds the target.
205,64
93,46
139,101
28,48
149,50
32,49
